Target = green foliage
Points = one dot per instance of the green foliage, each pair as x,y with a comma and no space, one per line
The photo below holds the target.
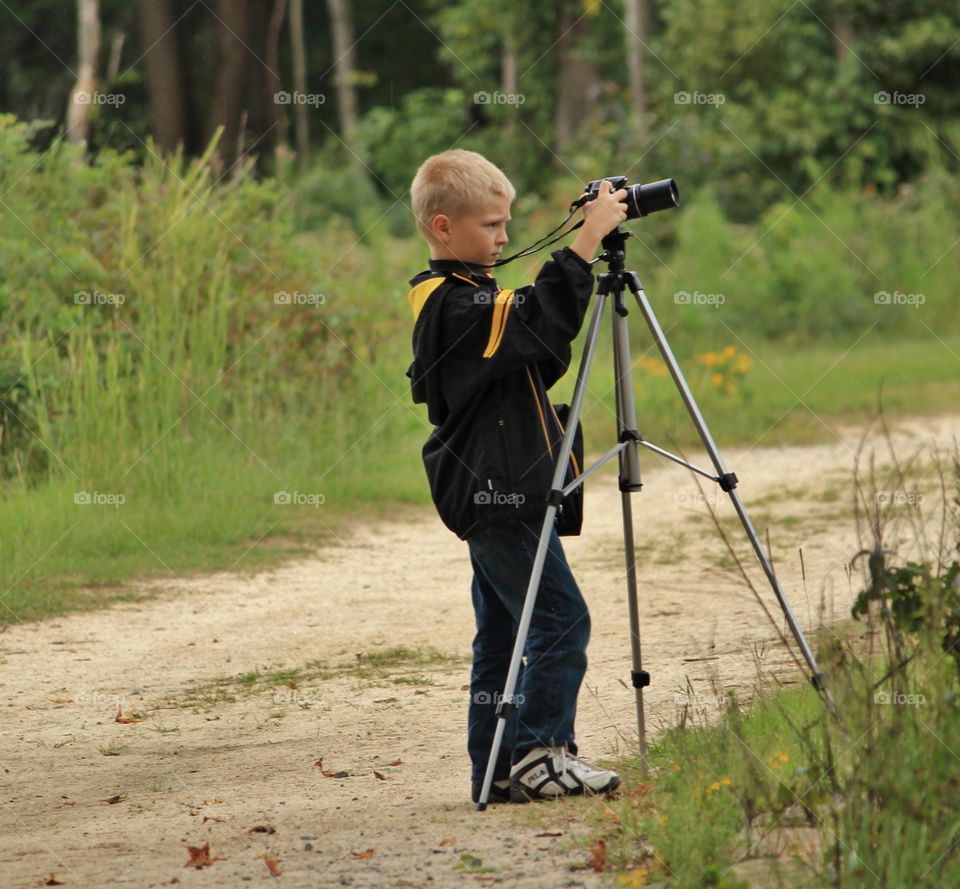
915,599
429,120
177,353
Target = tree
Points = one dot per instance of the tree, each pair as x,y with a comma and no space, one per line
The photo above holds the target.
298,48
88,50
344,69
164,74
233,36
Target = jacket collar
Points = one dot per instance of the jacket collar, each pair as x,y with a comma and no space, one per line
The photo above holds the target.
456,265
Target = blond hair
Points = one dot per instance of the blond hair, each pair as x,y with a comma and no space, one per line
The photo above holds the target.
452,182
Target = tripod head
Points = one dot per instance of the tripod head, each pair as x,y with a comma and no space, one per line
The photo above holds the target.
615,249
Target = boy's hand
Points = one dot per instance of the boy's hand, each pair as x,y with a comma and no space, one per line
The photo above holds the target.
606,211
600,217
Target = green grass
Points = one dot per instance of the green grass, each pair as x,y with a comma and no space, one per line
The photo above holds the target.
56,555
298,686
785,793
731,803
799,395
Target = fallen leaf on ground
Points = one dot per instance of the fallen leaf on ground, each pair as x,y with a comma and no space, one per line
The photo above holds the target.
67,804
377,774
271,863
262,828
598,856
113,800
222,818
126,719
326,773
449,841
367,853
53,881
396,762
200,858
550,833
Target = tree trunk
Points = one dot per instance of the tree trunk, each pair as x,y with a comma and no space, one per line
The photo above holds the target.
278,112
637,29
576,76
344,67
508,76
299,80
233,27
843,36
164,77
88,50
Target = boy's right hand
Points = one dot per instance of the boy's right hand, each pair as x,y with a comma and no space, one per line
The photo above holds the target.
600,217
606,211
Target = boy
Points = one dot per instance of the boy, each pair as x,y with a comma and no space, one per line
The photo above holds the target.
483,360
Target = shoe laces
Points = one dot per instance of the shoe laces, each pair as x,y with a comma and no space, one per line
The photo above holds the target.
562,752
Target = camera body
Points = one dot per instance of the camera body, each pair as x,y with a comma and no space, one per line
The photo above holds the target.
641,200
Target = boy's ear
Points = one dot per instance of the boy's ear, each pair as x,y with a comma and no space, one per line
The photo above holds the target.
440,227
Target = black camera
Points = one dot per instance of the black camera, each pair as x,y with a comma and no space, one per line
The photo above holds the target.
641,200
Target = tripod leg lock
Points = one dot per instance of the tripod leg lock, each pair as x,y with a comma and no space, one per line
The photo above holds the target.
555,497
504,707
641,678
728,481
819,681
630,435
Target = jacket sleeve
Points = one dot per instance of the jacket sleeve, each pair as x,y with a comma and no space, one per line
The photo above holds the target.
486,338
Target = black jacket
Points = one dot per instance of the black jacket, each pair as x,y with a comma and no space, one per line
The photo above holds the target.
483,360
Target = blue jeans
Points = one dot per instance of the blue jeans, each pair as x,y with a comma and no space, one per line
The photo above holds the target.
555,654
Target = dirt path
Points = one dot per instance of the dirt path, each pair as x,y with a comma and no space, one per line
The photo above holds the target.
212,761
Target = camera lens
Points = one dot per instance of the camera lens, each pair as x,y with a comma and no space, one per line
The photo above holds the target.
642,200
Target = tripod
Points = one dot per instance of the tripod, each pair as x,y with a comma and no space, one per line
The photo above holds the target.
611,284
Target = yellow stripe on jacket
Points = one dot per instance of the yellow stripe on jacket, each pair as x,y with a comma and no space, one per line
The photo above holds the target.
501,309
419,295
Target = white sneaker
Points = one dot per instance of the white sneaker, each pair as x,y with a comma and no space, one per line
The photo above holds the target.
552,772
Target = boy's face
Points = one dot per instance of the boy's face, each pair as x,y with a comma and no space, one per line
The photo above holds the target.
477,235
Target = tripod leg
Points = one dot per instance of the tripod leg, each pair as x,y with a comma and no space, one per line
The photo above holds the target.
523,628
727,480
629,482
